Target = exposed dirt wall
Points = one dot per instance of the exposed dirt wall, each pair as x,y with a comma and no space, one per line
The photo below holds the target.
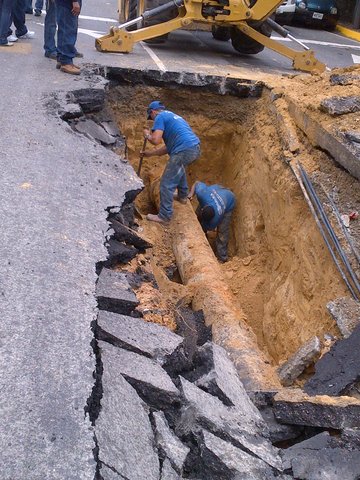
280,271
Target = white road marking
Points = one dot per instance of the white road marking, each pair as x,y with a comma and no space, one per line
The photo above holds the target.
153,55
318,42
356,58
98,19
91,33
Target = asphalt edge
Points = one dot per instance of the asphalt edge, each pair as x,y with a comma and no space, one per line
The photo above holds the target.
348,32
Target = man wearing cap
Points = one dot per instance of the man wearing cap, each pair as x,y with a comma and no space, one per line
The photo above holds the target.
216,204
183,147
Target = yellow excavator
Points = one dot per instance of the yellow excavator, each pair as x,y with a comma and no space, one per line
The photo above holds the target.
246,23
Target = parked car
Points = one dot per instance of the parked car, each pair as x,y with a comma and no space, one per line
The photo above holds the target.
322,13
285,12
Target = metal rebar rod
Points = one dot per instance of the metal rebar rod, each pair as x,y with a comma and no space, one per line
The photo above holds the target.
329,229
341,224
322,232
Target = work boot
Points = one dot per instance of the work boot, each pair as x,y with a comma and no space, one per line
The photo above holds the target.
79,54
157,219
70,69
37,12
181,200
58,66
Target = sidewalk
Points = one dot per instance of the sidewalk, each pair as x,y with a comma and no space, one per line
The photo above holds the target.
348,32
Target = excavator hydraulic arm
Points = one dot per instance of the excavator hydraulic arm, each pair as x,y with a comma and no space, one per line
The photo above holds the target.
243,15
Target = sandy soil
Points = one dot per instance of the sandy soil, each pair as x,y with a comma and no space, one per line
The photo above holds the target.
280,271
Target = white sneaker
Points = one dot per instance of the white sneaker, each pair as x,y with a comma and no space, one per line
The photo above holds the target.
8,44
12,38
28,34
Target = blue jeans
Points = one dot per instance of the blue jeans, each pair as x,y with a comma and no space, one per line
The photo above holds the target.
67,34
174,177
18,17
39,4
50,28
5,20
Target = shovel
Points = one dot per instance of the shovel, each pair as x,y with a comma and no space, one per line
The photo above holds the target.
141,157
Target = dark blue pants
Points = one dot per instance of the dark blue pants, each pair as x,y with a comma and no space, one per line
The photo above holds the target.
50,28
67,33
18,17
5,19
39,4
174,177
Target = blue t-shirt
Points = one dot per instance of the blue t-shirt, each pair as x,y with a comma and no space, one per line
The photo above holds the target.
177,133
219,198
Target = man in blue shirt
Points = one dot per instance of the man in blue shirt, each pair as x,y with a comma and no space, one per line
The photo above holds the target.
216,204
183,147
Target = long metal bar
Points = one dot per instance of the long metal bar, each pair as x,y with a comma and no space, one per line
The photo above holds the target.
329,228
284,32
322,232
342,226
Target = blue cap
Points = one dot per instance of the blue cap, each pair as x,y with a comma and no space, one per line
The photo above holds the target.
156,105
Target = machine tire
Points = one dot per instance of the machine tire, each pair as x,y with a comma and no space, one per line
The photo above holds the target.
244,44
221,33
150,4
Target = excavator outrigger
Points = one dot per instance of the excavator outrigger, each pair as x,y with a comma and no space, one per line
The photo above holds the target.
246,22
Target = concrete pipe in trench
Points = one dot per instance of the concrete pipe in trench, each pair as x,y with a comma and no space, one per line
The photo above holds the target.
199,269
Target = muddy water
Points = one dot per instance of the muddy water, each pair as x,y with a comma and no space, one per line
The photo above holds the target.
280,271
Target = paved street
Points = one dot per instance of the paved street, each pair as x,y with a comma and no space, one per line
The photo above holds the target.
55,188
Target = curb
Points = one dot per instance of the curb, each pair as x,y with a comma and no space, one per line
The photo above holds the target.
348,32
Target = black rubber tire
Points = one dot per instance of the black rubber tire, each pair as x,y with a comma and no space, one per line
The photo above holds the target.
150,4
221,33
244,44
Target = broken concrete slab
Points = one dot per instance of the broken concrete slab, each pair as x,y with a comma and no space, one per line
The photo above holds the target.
223,460
346,313
344,79
113,292
144,374
168,473
341,105
320,457
92,129
220,378
353,136
108,474
111,128
138,336
123,430
119,253
340,150
307,354
170,447
201,410
238,87
90,99
294,407
338,369
70,111
126,234
279,432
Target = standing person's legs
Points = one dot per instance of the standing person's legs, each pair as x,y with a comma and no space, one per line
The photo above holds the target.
185,158
169,181
222,237
67,34
50,29
28,6
39,4
5,20
19,17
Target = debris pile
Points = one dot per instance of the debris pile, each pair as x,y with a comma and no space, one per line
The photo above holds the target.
168,412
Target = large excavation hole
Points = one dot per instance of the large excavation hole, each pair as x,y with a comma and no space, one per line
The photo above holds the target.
279,271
